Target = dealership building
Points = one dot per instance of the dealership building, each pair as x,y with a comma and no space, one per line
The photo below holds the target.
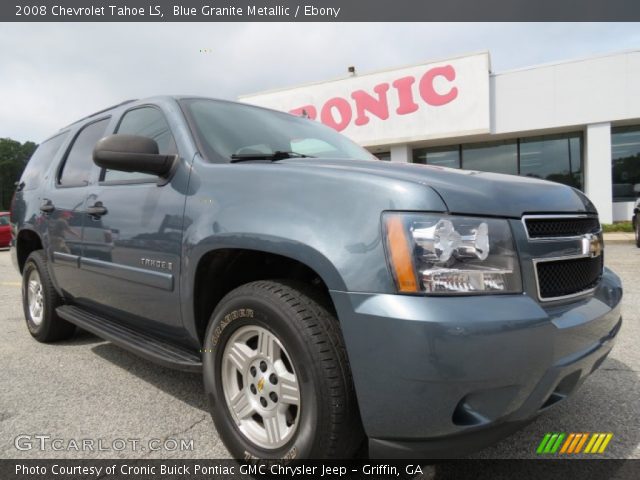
576,122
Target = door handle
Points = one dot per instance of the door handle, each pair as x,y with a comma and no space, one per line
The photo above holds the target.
47,206
97,210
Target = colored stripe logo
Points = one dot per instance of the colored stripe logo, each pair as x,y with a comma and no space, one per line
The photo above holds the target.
573,443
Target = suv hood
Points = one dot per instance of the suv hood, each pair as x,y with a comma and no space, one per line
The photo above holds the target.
468,191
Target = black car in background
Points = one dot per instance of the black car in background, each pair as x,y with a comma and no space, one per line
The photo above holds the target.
634,221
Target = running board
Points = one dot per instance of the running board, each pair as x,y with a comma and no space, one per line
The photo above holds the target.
144,345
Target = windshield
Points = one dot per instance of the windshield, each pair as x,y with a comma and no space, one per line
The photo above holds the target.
227,130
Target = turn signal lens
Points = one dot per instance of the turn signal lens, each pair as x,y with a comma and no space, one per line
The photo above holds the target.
400,255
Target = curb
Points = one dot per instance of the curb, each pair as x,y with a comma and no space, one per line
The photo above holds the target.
618,240
619,237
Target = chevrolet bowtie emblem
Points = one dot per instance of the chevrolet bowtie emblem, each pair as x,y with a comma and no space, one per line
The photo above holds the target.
260,384
592,245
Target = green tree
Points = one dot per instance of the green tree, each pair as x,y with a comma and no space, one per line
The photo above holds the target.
13,158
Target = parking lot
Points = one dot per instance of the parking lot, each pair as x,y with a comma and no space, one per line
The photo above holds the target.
89,389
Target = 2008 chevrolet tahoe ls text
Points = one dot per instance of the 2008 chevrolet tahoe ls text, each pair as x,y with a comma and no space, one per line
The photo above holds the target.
330,300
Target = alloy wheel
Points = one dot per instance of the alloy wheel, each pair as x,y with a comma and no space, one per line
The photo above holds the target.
35,297
261,387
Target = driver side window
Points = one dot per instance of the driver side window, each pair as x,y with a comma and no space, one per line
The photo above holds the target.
146,122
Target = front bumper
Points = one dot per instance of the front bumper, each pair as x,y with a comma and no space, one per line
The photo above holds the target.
438,377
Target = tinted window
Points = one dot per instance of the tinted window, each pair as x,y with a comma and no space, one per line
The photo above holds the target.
226,128
498,157
79,161
145,122
625,163
4,220
448,156
40,160
556,158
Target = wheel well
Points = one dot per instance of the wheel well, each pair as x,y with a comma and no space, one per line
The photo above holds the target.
221,271
27,242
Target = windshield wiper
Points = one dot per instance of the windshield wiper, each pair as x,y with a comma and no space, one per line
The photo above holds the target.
274,157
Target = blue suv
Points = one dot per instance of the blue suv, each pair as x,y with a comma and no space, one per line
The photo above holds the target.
333,303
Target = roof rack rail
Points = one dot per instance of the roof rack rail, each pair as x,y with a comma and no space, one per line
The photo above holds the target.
101,111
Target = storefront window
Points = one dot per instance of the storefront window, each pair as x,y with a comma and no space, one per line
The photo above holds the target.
442,156
557,158
497,157
384,156
625,163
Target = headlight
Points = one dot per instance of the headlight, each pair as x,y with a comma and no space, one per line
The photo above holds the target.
448,254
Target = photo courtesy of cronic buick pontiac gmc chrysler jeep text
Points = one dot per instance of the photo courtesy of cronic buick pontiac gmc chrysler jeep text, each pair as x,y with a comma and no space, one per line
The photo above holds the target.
437,313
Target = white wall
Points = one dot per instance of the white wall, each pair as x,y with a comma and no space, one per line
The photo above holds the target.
586,94
597,169
602,89
622,211
456,102
401,153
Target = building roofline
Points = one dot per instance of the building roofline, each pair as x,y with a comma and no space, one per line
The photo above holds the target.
564,62
443,59
384,70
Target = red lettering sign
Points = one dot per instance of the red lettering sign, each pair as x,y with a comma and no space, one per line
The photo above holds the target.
308,111
337,112
406,104
365,102
344,110
428,91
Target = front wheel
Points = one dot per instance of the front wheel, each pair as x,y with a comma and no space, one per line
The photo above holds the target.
637,230
277,375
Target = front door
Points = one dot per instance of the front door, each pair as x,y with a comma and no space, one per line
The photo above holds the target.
133,236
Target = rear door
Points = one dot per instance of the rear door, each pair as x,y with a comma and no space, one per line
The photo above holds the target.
131,256
64,207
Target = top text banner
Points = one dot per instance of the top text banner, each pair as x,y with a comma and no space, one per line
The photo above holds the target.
316,10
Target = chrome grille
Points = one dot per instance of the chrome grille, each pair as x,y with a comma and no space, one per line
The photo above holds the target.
578,269
568,277
557,227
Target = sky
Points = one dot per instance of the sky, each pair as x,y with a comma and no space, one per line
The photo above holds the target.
52,74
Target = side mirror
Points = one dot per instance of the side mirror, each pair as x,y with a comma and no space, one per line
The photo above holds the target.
132,153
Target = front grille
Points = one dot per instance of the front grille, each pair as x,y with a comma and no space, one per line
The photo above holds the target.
561,227
560,278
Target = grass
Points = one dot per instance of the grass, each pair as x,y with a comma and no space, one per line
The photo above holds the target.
617,227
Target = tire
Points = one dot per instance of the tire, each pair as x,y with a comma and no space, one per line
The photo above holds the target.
637,230
43,323
281,328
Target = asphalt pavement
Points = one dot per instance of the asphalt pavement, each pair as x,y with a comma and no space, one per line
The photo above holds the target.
86,398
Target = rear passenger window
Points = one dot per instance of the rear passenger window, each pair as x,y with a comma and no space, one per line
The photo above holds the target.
40,161
146,122
77,166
